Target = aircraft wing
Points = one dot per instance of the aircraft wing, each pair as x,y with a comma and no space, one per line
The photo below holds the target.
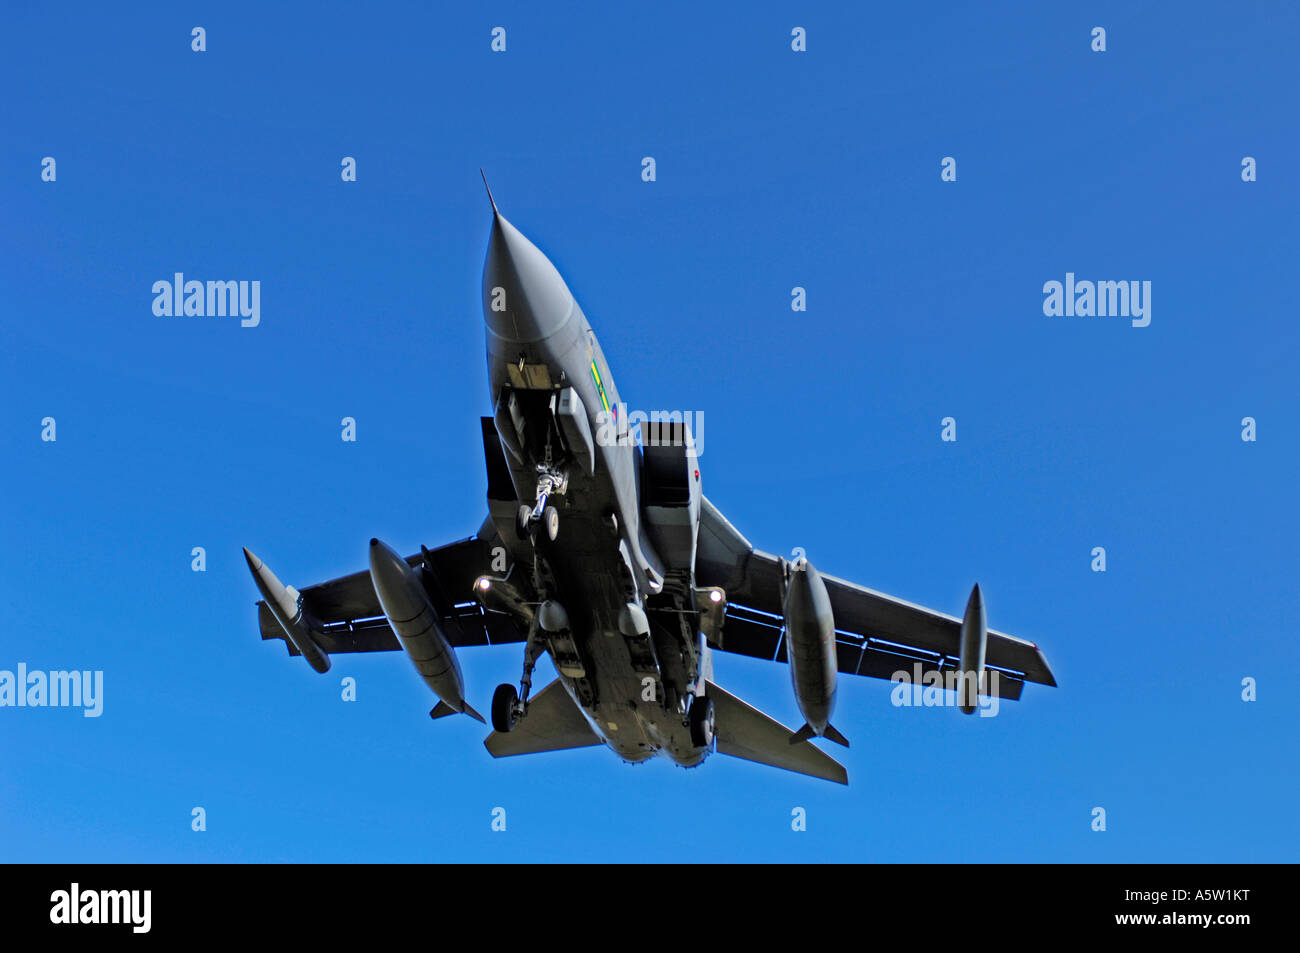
353,621
875,634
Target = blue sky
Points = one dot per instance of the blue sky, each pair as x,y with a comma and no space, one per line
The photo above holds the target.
775,169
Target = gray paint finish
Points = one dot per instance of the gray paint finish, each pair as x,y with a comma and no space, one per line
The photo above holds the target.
621,623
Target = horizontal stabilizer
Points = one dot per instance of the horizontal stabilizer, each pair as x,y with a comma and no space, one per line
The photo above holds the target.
832,734
553,723
745,732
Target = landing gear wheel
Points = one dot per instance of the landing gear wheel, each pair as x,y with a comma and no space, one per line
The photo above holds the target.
524,523
701,719
505,708
551,517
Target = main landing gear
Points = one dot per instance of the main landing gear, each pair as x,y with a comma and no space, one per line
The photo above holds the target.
505,708
507,704
700,719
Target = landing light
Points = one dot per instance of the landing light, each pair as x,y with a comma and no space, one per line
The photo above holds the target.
484,584
715,596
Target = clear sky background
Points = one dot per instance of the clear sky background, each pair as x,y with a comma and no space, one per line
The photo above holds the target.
775,169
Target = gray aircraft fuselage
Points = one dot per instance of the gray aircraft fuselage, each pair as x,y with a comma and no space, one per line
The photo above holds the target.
538,342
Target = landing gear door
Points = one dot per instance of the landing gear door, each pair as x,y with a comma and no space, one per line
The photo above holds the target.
571,420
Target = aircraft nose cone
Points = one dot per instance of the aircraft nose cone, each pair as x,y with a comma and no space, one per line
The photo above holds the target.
524,297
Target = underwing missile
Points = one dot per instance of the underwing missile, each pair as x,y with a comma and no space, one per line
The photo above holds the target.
285,603
416,625
974,641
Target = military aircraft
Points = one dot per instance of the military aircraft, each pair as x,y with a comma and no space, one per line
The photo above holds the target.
601,550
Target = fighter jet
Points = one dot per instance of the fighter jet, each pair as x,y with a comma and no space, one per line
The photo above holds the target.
601,550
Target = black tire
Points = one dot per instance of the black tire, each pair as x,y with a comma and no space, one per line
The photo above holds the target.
551,517
701,718
504,701
523,523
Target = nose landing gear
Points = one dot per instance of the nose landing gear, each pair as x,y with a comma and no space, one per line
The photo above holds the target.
550,482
